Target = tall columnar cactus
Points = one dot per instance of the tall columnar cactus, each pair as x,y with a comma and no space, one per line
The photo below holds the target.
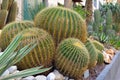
92,52
72,58
61,23
100,59
97,20
98,45
12,13
11,30
109,21
10,6
42,54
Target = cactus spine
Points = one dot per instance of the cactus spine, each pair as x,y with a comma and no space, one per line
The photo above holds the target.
11,7
98,45
72,58
61,23
11,30
100,59
92,52
42,54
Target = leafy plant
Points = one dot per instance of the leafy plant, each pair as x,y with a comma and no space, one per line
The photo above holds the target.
11,57
80,11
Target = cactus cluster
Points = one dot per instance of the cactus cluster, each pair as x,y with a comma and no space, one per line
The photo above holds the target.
42,54
92,52
98,45
61,23
8,12
72,58
11,30
100,59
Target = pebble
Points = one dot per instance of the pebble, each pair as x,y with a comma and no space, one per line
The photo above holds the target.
12,69
51,76
5,73
1,53
40,77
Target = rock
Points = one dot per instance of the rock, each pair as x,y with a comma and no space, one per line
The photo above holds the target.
40,77
58,76
66,78
12,69
51,76
29,78
6,73
106,57
55,75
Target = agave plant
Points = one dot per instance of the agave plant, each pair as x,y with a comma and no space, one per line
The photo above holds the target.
10,57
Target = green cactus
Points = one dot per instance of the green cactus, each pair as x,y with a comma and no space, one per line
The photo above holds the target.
5,4
109,22
11,7
97,20
72,58
61,23
12,13
42,54
100,59
98,45
3,17
92,52
12,29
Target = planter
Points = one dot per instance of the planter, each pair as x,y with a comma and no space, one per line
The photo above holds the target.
111,71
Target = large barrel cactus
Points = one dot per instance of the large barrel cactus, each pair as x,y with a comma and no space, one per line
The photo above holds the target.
72,58
100,57
98,45
42,54
92,52
12,29
61,23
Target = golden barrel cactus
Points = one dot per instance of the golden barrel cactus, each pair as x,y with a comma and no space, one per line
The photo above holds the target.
11,30
61,23
72,58
42,54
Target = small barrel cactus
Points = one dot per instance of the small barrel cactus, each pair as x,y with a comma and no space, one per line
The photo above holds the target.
100,57
61,23
92,53
98,45
72,58
42,54
11,30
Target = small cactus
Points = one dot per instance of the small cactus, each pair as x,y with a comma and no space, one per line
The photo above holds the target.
100,59
61,23
42,54
72,58
10,6
3,17
92,52
11,30
12,13
98,45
